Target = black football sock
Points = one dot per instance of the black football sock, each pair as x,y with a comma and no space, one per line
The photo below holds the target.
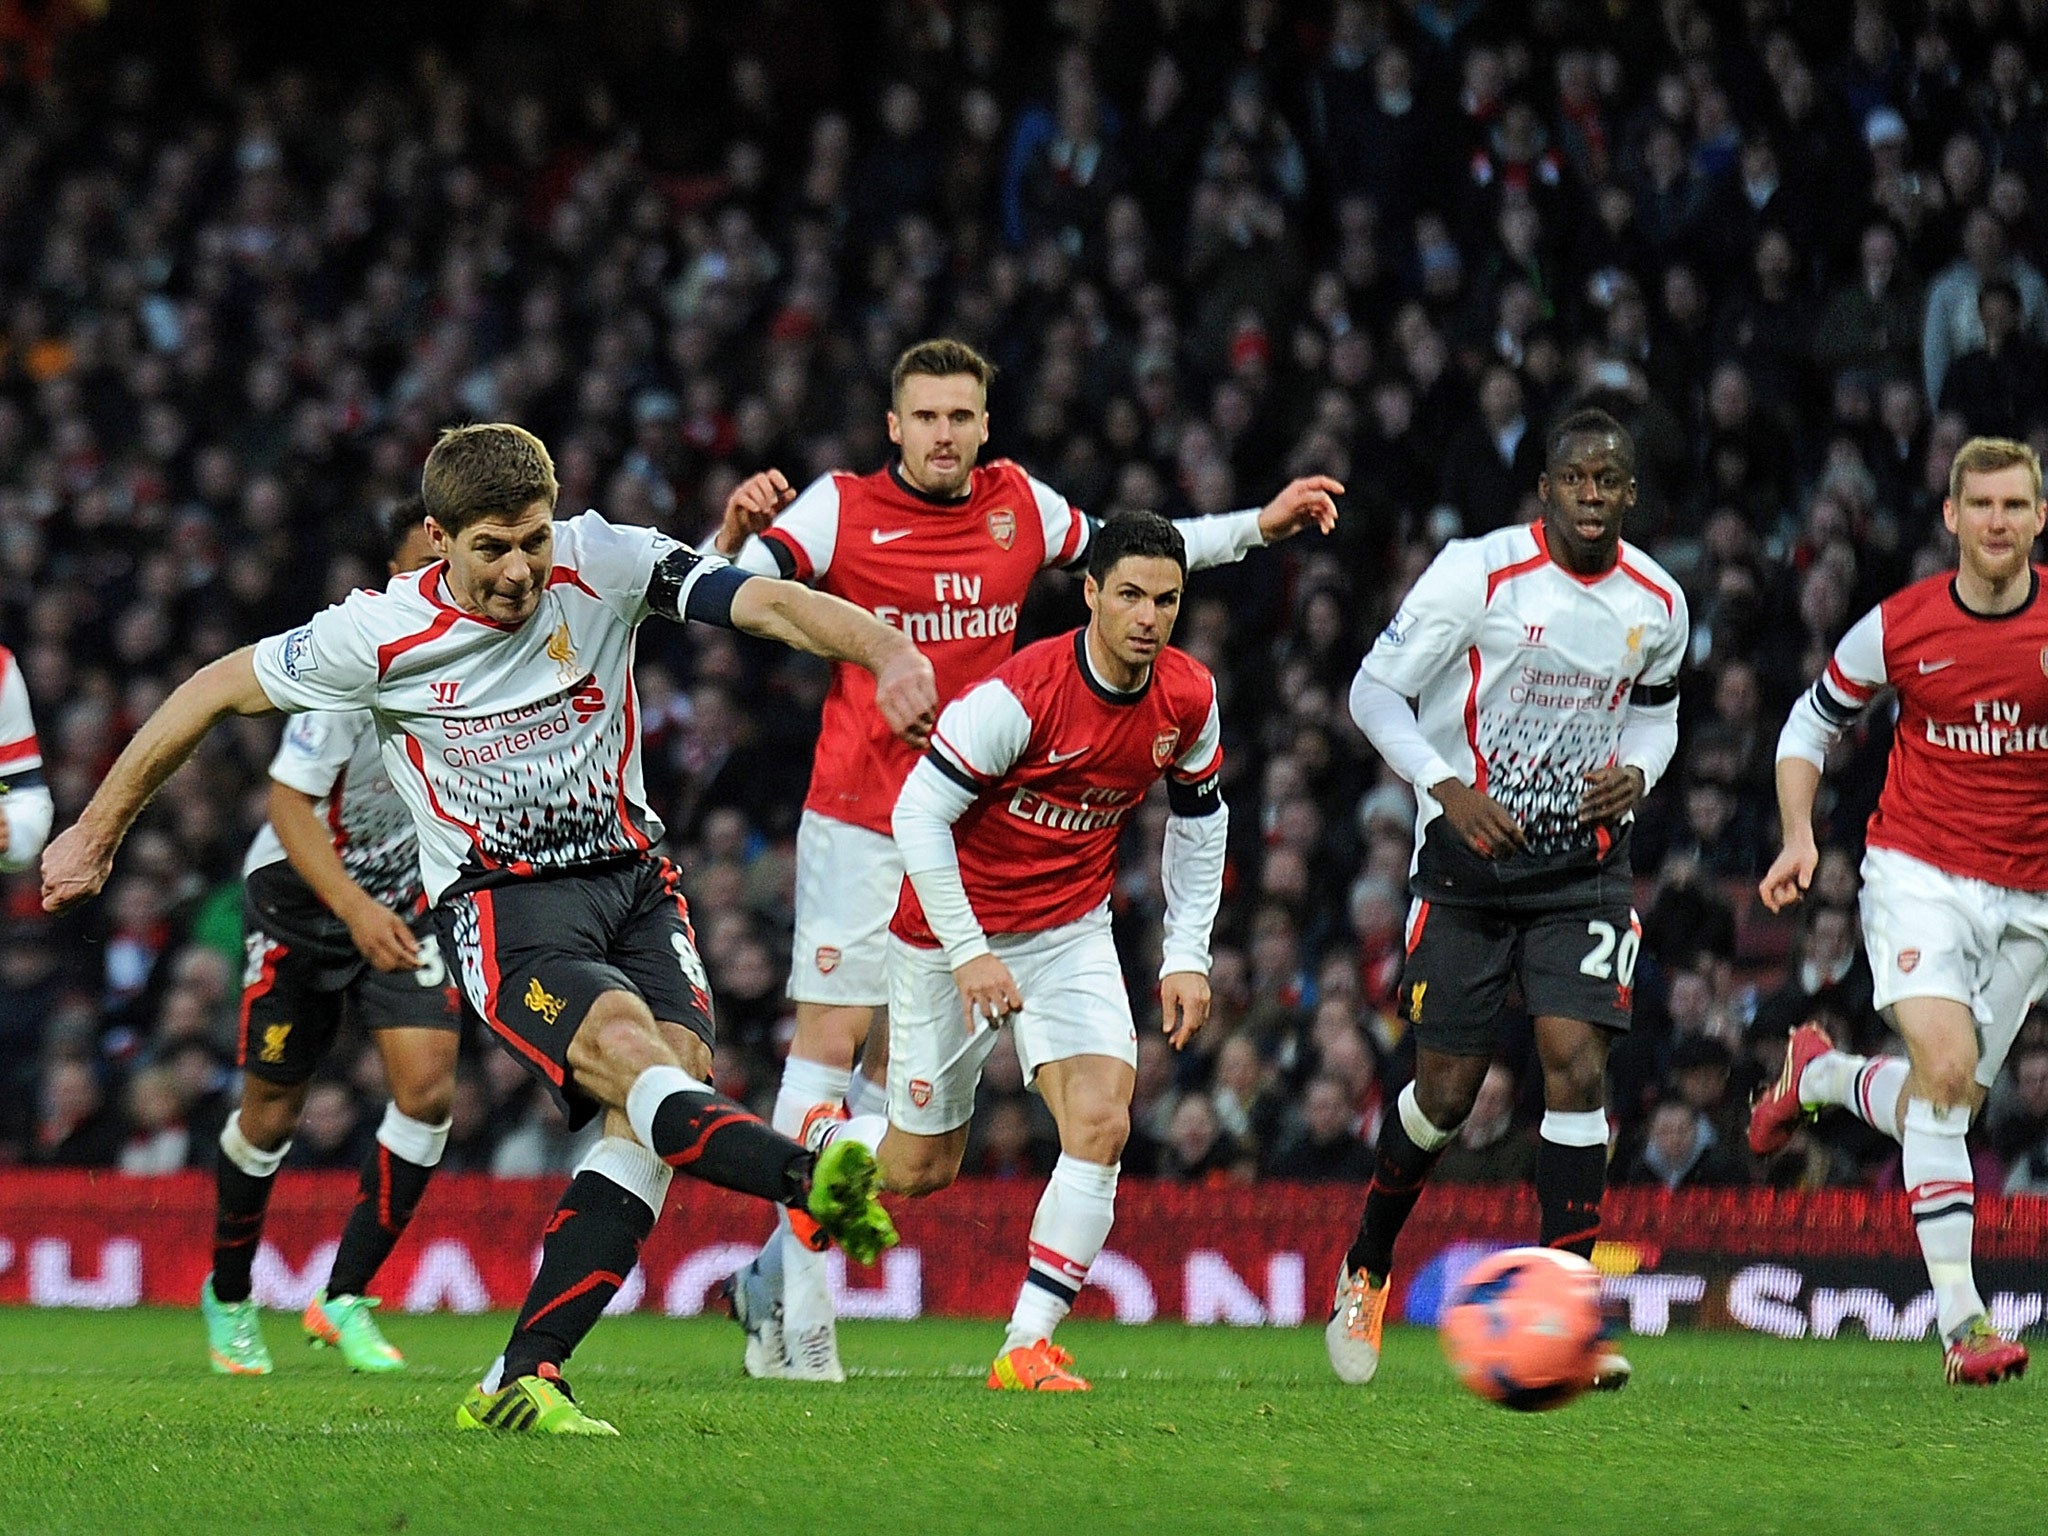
1570,1181
592,1242
242,1178
699,1131
1400,1168
389,1193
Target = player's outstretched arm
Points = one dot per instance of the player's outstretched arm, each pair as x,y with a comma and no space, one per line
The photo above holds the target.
380,934
751,508
1310,501
1791,872
905,689
78,862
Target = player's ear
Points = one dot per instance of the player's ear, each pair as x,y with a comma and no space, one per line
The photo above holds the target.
895,429
1089,589
437,536
1543,487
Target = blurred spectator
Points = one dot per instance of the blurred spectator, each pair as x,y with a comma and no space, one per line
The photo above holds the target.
1198,1150
1680,1150
158,1139
333,1131
75,1127
1489,1148
1322,1146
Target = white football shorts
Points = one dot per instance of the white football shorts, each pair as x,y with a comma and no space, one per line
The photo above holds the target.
1930,933
847,882
1074,1005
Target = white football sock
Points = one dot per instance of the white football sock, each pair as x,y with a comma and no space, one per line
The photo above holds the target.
1074,1217
868,1130
866,1096
805,1084
1943,1192
1870,1091
1827,1080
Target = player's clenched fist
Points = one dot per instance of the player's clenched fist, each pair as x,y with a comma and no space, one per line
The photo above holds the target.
1488,830
75,867
1610,793
907,693
751,508
988,992
1183,1005
1791,872
1311,499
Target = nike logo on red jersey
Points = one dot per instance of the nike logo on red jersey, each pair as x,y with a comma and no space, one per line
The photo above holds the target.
891,535
1935,666
1064,757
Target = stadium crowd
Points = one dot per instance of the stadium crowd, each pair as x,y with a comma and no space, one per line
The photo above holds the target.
1211,244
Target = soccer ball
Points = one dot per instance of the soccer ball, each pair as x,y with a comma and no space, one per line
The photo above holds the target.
1522,1328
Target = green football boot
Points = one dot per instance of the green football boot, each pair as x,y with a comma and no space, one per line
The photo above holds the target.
234,1336
842,1200
539,1404
344,1323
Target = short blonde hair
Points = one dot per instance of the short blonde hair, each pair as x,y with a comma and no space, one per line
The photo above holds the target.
1988,455
491,468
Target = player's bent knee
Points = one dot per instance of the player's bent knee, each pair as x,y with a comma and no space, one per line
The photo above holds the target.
616,1042
918,1165
1099,1135
429,1103
269,1112
831,1034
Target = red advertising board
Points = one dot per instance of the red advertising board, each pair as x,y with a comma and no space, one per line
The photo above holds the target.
1773,1261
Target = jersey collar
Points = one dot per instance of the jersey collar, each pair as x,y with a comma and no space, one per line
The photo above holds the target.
2033,591
1543,543
946,503
1097,686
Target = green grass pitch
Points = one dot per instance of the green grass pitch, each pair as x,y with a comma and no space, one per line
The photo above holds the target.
112,1424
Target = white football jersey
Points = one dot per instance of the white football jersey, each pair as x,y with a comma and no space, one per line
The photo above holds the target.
516,748
334,756
1522,671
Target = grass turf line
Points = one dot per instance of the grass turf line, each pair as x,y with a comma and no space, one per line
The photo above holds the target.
113,1424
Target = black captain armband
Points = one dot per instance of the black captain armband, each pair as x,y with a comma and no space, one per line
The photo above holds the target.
687,585
1650,695
1204,797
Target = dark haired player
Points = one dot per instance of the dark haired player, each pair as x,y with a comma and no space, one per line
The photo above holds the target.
944,547
501,681
1008,829
1543,662
333,917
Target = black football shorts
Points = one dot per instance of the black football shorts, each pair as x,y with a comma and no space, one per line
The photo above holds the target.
533,954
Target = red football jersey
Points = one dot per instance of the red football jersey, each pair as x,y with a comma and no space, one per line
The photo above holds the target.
1966,789
1059,761
951,574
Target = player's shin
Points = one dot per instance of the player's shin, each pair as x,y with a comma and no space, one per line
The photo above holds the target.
242,1180
394,1176
1942,1188
696,1129
1571,1178
1067,1233
1408,1148
592,1242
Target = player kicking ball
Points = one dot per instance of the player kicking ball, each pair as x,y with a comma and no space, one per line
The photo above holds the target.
1544,664
500,679
1008,829
1955,872
324,886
